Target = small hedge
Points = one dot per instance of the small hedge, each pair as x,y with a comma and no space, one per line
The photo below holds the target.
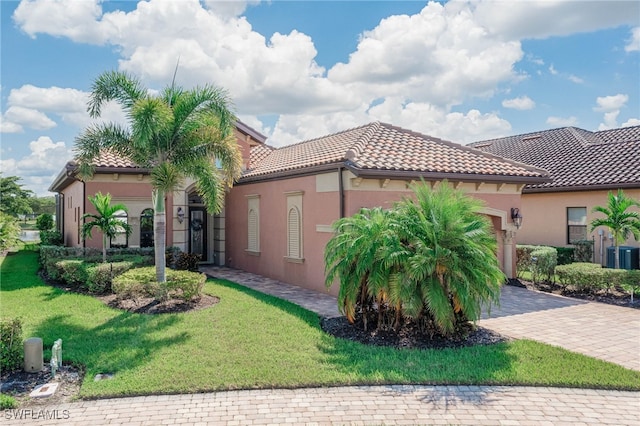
11,347
591,277
541,261
50,238
141,282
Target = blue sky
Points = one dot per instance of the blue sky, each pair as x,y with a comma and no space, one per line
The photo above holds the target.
462,71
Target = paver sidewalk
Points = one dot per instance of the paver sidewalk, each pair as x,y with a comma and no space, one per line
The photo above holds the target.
362,405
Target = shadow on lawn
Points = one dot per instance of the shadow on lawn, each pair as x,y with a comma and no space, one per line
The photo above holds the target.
291,308
120,343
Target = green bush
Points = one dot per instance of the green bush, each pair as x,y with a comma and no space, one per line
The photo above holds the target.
7,402
44,222
141,282
72,271
9,232
187,262
539,260
11,349
565,255
543,263
100,276
171,254
583,252
51,238
591,277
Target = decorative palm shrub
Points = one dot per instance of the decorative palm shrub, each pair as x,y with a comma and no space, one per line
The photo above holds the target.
431,260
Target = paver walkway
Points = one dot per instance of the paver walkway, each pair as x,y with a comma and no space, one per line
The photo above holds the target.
365,405
575,325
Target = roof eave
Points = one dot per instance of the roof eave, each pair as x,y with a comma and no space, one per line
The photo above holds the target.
579,188
469,177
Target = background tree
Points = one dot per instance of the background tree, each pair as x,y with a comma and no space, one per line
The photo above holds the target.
44,222
176,134
621,223
431,260
107,220
14,200
9,232
43,205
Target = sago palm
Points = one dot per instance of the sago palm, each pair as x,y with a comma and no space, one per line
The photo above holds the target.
107,220
452,269
621,222
175,134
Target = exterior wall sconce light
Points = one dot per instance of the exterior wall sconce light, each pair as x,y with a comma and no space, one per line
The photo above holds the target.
180,215
516,217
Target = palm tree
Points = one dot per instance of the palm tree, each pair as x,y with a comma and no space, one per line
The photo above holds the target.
176,134
108,220
621,222
430,259
452,267
354,256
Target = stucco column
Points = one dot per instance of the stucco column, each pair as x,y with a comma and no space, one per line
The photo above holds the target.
508,248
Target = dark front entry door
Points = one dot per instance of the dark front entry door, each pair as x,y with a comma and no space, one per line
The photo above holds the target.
198,231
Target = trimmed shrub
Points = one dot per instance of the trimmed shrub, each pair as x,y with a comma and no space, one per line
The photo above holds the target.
591,277
543,263
11,350
539,260
141,282
72,271
50,238
100,276
565,255
187,261
583,251
9,232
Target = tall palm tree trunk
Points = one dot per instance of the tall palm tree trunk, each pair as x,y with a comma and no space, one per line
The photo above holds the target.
160,234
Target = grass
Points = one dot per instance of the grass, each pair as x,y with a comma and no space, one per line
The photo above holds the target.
250,340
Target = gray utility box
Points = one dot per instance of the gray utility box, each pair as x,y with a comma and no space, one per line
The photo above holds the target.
33,358
629,257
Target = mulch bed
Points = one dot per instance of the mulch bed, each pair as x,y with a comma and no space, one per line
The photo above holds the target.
19,385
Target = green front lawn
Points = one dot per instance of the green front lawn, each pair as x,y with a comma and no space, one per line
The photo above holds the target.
250,340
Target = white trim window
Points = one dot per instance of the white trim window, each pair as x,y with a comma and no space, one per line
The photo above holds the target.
294,227
253,223
576,224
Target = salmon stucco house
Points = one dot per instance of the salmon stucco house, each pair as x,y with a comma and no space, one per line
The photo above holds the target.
278,216
584,167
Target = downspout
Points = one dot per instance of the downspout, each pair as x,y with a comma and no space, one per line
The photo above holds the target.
341,191
84,210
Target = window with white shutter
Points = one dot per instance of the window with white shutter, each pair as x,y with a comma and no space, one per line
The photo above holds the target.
253,224
294,227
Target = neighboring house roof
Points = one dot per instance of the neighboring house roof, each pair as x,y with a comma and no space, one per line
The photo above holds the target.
380,149
577,159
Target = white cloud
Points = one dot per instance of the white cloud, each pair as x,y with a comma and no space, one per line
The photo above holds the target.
28,117
552,70
542,19
610,106
631,122
521,103
562,122
575,79
40,167
229,8
611,103
633,44
67,18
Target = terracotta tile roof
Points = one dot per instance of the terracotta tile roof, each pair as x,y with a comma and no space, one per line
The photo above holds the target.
576,158
109,159
385,148
259,153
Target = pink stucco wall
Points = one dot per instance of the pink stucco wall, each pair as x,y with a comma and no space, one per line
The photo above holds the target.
319,208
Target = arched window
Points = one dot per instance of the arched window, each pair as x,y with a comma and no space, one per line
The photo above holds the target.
120,240
293,228
146,228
